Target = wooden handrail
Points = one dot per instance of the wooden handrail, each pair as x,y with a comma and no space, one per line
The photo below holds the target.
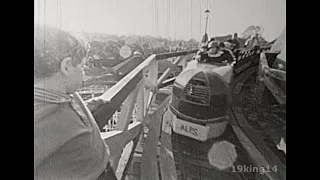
139,86
114,97
175,54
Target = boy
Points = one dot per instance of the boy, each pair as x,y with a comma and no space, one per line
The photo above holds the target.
67,142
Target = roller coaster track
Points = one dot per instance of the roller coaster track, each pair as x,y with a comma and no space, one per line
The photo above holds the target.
193,165
268,155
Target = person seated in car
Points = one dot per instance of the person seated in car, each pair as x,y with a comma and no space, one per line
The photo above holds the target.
234,41
216,54
227,49
201,54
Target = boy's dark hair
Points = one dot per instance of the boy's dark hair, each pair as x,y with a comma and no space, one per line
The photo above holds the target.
51,46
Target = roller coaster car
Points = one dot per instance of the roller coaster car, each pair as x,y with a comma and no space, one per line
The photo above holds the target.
201,96
200,101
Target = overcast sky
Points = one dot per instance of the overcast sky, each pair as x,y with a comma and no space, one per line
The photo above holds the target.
177,19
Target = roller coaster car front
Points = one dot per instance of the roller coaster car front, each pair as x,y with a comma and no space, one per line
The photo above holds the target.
202,93
200,101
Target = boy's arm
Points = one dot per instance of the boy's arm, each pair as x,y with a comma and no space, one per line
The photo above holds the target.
52,132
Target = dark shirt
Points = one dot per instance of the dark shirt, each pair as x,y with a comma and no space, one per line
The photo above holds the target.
235,42
225,56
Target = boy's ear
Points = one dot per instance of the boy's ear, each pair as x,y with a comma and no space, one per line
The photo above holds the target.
66,65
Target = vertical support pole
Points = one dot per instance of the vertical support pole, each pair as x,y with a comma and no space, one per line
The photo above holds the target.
124,120
140,118
150,80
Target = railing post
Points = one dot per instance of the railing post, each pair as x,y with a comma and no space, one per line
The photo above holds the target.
124,120
150,77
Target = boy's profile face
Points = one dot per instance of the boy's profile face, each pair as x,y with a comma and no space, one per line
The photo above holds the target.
73,75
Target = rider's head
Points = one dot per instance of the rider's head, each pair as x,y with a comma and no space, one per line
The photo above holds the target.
213,47
58,56
212,39
203,48
228,45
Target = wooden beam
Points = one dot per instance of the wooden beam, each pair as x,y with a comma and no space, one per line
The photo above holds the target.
166,159
149,160
124,119
235,86
115,96
167,71
116,140
277,74
170,55
257,150
134,74
150,76
131,156
279,95
140,118
127,66
166,82
127,109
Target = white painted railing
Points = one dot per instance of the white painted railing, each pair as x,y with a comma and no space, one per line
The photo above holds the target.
134,93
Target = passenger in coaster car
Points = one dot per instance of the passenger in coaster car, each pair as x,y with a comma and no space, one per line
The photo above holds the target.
217,55
202,53
228,52
235,44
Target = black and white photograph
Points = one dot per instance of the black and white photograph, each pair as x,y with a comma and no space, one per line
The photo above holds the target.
159,89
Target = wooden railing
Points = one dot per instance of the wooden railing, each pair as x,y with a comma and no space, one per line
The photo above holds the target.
266,79
139,88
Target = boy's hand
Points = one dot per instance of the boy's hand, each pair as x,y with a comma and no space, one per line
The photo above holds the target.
94,104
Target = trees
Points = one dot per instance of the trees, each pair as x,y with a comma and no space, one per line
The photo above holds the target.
252,31
253,36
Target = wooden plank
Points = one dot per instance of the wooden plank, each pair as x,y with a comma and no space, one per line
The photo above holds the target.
256,149
114,90
150,75
124,120
149,161
175,54
106,111
140,118
114,97
123,161
277,92
166,161
128,65
255,154
278,74
167,71
236,87
116,140
127,109
131,156
166,82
